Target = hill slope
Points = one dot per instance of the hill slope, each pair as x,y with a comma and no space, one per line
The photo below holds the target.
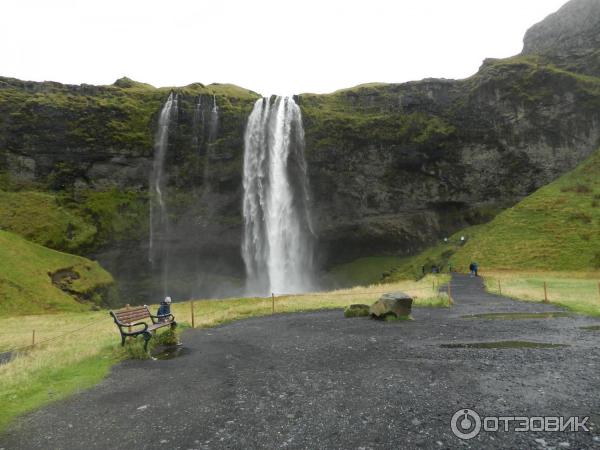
35,279
555,228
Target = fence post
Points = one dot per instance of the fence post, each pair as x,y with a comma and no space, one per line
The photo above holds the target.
192,310
545,293
499,287
33,338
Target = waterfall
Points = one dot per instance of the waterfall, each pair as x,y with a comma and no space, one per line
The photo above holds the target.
212,130
213,125
278,239
159,224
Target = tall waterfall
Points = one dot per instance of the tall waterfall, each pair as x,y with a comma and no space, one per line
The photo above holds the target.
278,238
159,223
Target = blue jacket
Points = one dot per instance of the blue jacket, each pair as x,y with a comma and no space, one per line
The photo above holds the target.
164,309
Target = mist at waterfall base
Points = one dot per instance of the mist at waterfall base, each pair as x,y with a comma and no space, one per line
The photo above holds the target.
278,240
182,205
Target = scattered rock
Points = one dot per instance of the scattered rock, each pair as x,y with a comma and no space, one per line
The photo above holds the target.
142,408
356,310
397,304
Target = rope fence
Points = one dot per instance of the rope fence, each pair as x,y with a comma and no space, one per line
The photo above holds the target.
34,343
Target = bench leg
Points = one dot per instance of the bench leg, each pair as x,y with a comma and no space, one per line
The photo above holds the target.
147,337
123,340
173,325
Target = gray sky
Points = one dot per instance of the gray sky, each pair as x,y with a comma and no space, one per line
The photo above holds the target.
272,47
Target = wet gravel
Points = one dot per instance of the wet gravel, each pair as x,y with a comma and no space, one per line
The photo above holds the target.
320,381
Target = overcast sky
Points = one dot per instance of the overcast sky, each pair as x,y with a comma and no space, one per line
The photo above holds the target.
272,47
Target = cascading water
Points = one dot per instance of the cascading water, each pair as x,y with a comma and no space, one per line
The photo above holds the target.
159,224
278,239
213,128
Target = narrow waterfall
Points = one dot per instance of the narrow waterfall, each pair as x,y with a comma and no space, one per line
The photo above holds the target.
159,223
213,124
213,128
278,239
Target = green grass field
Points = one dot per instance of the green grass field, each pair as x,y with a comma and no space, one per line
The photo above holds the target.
362,271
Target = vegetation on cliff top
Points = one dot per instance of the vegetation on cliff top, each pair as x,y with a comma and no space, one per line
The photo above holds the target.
35,279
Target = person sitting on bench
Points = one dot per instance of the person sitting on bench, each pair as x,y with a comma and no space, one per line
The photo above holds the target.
164,309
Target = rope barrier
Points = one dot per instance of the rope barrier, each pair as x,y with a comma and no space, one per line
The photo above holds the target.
16,349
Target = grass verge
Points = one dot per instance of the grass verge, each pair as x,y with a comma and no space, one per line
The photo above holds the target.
576,291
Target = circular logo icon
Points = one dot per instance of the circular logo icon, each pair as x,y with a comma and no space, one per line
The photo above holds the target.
466,424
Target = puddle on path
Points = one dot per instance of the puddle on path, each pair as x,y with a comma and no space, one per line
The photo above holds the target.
518,316
169,352
591,328
503,344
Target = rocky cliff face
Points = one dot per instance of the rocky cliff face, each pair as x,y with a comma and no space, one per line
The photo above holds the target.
392,167
569,38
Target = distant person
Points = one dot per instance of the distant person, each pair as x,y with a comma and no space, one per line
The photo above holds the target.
475,269
472,268
164,309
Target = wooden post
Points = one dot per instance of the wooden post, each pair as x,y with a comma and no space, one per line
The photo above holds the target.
545,293
192,309
499,287
33,338
273,299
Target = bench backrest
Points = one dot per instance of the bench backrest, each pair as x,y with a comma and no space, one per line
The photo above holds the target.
131,315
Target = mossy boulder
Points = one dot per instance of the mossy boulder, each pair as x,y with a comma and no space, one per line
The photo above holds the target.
395,304
356,310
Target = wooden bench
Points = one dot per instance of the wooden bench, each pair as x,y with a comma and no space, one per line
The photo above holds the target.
134,317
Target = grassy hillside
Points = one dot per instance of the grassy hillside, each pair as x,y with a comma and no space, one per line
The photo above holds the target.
26,282
77,223
556,228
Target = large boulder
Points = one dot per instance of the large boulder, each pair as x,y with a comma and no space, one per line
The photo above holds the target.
397,304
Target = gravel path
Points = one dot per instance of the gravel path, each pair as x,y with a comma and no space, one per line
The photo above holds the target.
318,380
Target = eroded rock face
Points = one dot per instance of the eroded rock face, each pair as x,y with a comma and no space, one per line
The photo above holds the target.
398,304
569,38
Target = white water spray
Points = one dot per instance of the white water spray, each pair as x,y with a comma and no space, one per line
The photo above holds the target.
278,239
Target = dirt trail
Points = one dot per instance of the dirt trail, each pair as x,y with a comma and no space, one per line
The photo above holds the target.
318,380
